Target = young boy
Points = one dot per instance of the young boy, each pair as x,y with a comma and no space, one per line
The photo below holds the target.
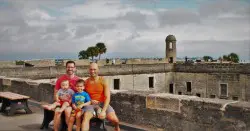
63,97
79,100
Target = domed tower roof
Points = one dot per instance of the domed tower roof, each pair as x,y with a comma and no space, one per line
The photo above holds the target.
170,38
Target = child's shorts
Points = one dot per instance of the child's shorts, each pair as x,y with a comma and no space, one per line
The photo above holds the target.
61,102
74,112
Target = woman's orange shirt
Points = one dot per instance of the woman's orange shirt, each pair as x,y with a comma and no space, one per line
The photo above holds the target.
95,89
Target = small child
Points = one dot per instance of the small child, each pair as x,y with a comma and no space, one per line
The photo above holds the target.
79,100
63,97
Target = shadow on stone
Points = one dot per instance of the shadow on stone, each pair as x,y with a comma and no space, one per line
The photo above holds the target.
17,113
32,127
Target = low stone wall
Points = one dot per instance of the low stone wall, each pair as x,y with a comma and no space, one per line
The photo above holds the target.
81,62
4,64
181,113
37,91
213,68
171,112
53,71
41,63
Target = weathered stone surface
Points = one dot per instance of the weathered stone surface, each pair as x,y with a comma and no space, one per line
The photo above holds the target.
46,72
226,124
132,106
240,114
6,81
205,79
150,102
200,111
1,84
33,90
46,92
19,86
163,102
195,113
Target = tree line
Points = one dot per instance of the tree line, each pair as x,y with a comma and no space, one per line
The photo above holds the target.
233,57
93,51
100,48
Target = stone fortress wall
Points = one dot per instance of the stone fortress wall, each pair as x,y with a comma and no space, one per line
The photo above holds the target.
205,79
8,64
127,69
82,62
161,110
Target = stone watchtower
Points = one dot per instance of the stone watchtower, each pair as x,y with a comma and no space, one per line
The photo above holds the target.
171,49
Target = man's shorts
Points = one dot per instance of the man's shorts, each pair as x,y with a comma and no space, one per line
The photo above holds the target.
91,108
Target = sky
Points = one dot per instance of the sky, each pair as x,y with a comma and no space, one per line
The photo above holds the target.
57,29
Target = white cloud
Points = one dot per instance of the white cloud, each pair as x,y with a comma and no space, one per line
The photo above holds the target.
39,15
65,28
96,9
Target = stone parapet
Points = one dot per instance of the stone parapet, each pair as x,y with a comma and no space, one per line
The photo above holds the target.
126,69
180,112
162,110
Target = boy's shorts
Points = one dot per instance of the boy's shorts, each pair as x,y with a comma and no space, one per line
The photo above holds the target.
74,112
91,108
61,103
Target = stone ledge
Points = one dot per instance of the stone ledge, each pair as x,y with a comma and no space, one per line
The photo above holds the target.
177,103
163,101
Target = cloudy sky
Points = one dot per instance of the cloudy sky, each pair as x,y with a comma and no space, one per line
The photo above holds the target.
39,29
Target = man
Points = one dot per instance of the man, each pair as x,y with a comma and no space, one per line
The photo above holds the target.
72,78
99,93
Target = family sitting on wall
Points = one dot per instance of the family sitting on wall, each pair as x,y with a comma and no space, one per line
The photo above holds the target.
82,100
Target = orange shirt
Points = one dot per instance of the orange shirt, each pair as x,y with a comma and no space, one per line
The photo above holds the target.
95,89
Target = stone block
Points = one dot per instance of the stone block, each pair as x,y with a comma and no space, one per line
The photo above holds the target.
230,125
34,91
46,92
19,86
167,104
6,82
150,102
239,112
163,102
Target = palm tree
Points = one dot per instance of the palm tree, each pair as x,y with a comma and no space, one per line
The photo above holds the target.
225,58
206,58
101,49
92,52
83,55
233,57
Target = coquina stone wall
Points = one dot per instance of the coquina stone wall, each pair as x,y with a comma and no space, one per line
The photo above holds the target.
208,84
53,71
161,110
81,62
205,79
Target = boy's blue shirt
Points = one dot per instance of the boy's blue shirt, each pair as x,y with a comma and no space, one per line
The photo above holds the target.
80,98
